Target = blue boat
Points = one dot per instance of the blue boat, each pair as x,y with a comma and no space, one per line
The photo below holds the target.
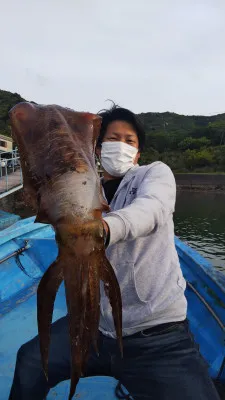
26,251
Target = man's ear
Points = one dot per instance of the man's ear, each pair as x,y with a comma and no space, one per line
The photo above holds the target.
137,158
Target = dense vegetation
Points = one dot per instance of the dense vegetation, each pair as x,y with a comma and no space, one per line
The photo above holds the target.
186,143
7,101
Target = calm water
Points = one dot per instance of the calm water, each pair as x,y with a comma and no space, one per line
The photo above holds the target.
200,222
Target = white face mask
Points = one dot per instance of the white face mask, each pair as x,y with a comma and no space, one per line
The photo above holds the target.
117,157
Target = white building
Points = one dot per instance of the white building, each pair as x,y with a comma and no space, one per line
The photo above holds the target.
6,143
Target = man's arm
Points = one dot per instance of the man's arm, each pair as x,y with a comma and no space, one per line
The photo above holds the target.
155,201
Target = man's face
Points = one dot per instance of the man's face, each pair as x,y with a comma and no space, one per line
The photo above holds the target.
121,131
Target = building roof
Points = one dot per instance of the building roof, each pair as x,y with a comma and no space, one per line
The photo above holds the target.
9,139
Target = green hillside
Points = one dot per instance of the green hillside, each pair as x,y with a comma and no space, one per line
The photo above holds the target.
7,101
186,143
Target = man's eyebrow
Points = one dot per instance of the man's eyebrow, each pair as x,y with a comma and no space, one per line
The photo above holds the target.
119,133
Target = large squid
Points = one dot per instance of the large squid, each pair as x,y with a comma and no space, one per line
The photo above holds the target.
57,153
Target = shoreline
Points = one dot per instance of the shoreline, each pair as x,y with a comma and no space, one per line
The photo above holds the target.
200,182
201,188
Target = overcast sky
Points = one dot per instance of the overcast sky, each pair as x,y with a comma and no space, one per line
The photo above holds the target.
146,55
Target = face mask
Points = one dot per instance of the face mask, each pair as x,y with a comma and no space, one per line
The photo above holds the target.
117,157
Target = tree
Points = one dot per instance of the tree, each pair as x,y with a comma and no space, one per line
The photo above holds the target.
195,158
192,143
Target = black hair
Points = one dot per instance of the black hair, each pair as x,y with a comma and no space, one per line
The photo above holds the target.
116,113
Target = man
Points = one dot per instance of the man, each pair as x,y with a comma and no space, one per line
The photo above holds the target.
161,360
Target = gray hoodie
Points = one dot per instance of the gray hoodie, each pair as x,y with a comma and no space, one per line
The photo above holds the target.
142,251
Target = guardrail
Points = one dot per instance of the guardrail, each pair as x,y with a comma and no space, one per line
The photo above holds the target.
11,178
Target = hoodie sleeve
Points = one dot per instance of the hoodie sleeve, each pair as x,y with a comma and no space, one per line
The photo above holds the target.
154,202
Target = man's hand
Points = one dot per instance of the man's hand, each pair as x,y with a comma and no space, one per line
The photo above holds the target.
105,226
106,233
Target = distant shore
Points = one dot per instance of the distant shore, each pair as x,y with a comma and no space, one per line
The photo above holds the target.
201,188
200,182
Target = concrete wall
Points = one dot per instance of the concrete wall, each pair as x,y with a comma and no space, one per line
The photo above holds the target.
200,180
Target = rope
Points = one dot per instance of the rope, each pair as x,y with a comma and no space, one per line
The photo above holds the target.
21,267
120,394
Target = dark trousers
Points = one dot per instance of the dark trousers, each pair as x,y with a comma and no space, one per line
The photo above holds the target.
162,364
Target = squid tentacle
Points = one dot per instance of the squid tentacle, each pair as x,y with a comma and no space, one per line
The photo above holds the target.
112,290
46,294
